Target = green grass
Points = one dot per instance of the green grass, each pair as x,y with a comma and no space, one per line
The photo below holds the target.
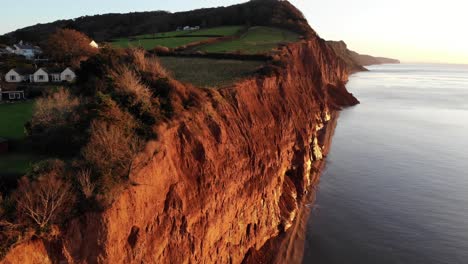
173,39
16,163
221,31
255,40
156,35
13,117
203,72
151,43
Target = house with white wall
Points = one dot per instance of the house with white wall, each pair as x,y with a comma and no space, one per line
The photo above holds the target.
94,44
67,75
23,49
41,76
18,75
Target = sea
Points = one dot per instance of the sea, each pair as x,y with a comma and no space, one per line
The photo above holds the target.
395,189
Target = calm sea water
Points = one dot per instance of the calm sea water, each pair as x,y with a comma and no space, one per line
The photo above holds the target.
396,186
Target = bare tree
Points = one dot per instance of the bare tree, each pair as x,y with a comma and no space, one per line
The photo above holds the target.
45,199
87,186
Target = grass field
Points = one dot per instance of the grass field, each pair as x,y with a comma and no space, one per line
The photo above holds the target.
220,31
14,116
151,43
203,72
174,39
255,40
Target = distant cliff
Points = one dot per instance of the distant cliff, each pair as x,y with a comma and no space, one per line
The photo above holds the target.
356,59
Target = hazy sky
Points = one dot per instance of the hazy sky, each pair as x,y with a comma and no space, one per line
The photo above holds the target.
411,30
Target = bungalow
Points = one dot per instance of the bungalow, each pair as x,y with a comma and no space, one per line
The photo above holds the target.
17,75
41,76
67,75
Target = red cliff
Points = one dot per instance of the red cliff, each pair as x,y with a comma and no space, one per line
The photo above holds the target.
224,178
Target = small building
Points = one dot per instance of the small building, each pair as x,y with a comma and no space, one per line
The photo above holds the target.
94,44
3,146
186,28
18,75
67,75
11,95
41,76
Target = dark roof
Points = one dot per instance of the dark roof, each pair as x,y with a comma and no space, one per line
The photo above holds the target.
53,70
24,71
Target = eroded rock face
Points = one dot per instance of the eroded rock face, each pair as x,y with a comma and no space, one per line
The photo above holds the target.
225,177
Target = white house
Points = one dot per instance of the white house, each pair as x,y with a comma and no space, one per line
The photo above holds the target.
186,28
19,75
27,50
94,44
68,75
41,76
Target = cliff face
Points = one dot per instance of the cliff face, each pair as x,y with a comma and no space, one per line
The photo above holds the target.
224,178
355,59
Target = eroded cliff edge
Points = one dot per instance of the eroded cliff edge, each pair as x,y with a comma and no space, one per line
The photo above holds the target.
224,177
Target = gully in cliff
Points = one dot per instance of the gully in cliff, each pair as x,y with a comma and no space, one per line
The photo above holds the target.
188,152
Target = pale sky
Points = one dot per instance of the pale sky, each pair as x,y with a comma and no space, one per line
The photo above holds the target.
409,30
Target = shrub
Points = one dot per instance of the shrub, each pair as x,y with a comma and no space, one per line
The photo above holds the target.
128,85
56,125
54,109
148,64
111,150
162,50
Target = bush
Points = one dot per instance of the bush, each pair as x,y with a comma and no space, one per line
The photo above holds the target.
56,122
111,150
128,85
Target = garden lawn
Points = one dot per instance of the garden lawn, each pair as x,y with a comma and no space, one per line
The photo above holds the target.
13,117
16,162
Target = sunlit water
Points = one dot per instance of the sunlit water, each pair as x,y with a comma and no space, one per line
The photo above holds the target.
396,186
